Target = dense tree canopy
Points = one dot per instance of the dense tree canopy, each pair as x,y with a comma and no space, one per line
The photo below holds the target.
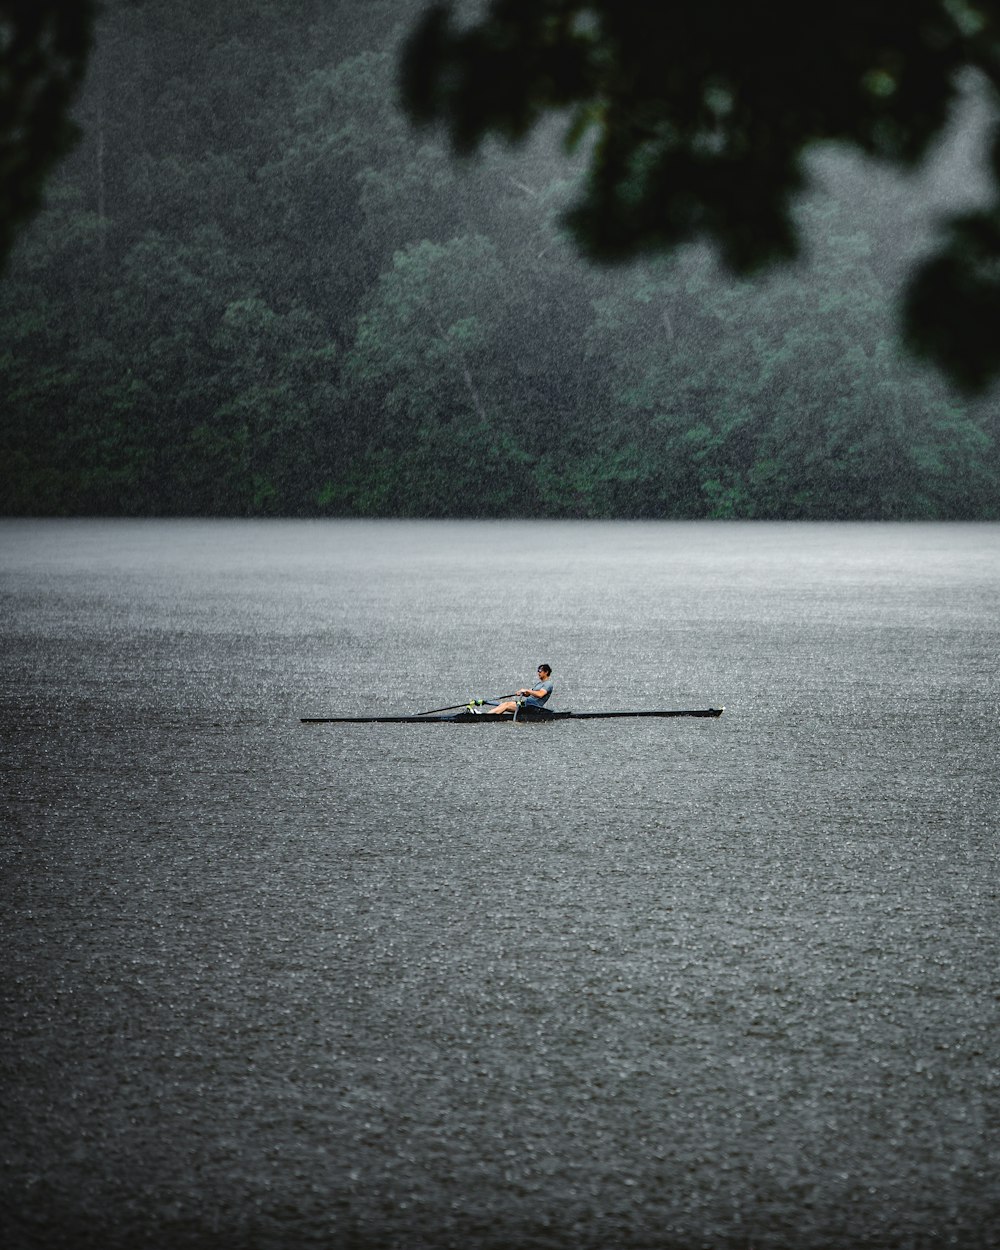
699,114
255,289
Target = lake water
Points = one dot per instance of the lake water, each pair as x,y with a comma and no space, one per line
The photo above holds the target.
652,983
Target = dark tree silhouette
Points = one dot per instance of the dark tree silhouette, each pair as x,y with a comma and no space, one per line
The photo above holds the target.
43,55
699,114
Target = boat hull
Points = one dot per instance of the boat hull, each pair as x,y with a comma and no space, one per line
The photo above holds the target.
534,715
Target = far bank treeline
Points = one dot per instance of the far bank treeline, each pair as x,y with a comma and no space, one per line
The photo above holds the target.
257,291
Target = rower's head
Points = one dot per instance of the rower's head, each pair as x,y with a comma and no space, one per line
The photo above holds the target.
544,671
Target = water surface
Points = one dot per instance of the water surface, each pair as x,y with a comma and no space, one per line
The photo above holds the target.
645,983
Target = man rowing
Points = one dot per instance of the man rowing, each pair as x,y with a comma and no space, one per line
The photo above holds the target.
536,696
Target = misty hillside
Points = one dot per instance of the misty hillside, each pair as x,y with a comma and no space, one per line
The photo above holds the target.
257,290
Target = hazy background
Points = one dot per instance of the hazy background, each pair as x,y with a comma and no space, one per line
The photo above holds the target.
257,290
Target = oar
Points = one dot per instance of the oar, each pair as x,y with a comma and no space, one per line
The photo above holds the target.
452,707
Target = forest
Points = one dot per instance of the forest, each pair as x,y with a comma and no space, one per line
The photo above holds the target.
257,289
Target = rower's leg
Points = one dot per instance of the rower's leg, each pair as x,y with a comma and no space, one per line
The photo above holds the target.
509,706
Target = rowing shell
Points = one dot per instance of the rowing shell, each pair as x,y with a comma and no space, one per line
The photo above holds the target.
478,718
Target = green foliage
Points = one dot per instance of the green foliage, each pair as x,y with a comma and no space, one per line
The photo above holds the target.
446,470
424,331
699,117
255,291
